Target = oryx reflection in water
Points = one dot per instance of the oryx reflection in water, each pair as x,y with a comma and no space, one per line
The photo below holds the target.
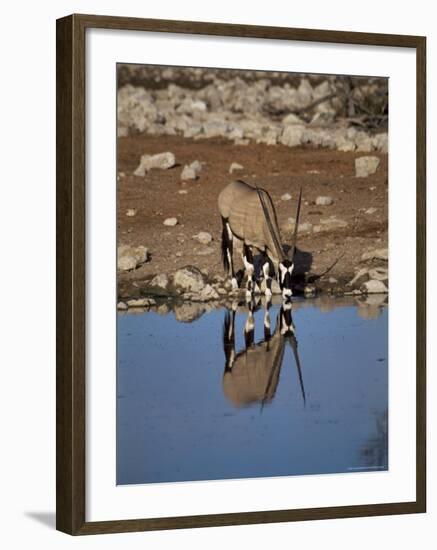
252,374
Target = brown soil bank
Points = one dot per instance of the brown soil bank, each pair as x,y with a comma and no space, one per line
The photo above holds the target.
361,203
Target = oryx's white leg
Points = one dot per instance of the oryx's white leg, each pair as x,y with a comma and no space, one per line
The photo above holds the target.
267,278
230,258
250,270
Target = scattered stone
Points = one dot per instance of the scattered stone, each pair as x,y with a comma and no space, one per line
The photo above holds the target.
366,166
189,279
126,263
205,251
332,280
305,227
309,291
138,302
292,136
161,161
130,257
191,171
122,131
160,281
374,287
170,222
130,212
330,224
182,191
371,210
379,273
235,166
291,119
324,201
208,293
360,277
379,254
121,306
286,197
179,254
203,237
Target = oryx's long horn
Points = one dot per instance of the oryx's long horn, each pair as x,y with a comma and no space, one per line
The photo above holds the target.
296,226
278,246
293,343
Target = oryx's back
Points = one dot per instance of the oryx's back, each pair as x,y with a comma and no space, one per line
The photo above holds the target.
240,205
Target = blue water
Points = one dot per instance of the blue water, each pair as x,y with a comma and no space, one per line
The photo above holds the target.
178,421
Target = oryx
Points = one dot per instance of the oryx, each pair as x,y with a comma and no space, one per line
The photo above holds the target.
252,374
248,215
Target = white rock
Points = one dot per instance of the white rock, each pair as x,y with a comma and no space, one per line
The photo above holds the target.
130,212
381,142
209,293
160,281
305,227
286,197
203,237
324,201
191,171
366,166
189,279
379,273
235,166
379,254
359,277
162,161
205,251
329,225
121,306
138,302
126,263
130,257
374,287
309,291
291,119
170,222
292,136
182,191
371,210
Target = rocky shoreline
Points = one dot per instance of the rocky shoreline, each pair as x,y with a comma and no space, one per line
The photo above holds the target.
193,285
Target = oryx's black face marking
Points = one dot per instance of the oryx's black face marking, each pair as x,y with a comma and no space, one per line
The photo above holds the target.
284,274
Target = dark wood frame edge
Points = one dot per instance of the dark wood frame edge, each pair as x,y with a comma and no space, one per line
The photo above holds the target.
70,274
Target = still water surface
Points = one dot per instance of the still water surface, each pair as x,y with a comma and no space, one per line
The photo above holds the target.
193,403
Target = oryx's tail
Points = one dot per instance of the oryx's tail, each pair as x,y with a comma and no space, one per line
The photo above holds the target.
226,246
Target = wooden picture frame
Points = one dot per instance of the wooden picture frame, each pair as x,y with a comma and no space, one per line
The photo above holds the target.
71,253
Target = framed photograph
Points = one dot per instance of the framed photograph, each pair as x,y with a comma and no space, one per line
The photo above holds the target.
240,274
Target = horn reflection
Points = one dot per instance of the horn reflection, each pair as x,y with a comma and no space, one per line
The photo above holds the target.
252,374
